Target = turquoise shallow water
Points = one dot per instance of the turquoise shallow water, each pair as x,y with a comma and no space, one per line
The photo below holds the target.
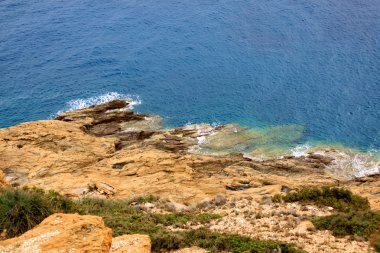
311,64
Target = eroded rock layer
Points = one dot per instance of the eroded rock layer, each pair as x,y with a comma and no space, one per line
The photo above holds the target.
108,150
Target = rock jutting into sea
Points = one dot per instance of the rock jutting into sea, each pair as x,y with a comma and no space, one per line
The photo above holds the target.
109,151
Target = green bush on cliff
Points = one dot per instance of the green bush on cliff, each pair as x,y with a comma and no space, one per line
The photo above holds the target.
22,209
142,199
356,223
339,198
218,242
377,244
126,219
171,219
353,215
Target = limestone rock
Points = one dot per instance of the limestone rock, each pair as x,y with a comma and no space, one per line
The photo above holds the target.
110,151
131,244
63,233
191,250
304,227
105,188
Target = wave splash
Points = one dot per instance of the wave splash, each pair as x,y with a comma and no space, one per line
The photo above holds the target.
261,143
82,103
300,150
351,164
276,142
347,163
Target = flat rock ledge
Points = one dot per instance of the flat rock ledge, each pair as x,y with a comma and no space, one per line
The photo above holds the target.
109,151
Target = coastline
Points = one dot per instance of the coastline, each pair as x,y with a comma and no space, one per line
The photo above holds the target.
258,143
117,143
108,151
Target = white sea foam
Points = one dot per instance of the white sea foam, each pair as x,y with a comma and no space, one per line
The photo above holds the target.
364,166
216,124
301,150
350,164
82,103
255,157
347,163
201,139
213,124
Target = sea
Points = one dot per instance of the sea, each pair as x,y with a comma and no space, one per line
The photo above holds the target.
306,70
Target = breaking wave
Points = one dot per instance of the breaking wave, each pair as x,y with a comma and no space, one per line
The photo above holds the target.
300,150
82,103
348,163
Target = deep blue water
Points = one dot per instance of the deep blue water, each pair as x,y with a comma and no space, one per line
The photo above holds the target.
314,63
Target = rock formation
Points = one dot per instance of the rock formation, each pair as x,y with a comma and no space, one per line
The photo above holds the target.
74,233
110,151
63,233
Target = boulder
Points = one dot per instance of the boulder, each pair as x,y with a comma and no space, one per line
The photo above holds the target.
63,233
131,244
303,228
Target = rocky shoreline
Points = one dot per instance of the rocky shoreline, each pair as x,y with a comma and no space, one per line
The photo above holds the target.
108,151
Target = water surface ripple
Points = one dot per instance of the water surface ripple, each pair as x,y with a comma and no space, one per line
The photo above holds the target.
313,63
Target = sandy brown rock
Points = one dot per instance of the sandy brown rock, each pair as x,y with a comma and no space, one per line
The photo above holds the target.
49,150
131,244
59,155
63,233
191,250
303,228
3,182
109,151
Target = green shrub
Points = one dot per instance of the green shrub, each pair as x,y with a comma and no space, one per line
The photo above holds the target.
217,242
183,217
143,199
358,223
377,245
339,198
22,209
375,239
60,203
126,219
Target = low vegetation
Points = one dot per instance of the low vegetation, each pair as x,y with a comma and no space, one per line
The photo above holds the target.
376,242
22,209
126,219
355,223
217,242
353,216
339,198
